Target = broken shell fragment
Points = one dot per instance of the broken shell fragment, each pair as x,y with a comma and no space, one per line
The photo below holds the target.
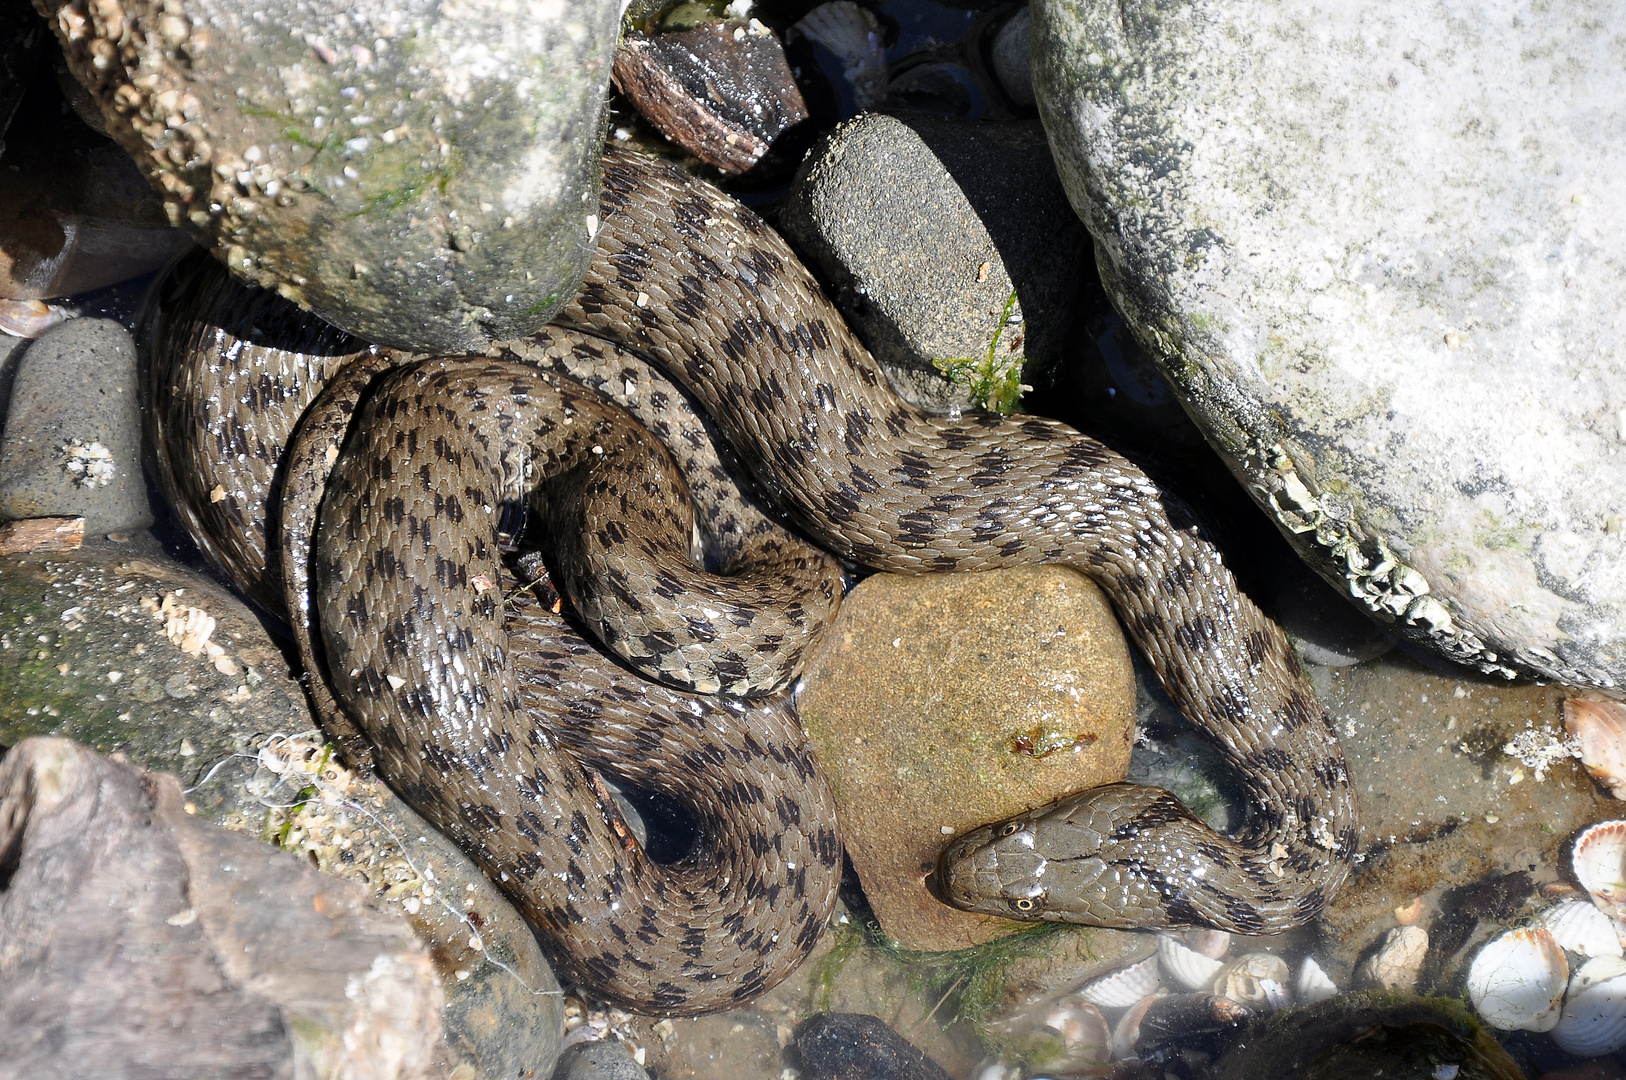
1600,729
854,35
1211,943
1517,980
1593,1022
1126,1036
1599,858
1313,984
1396,965
30,318
1186,967
1257,978
1578,926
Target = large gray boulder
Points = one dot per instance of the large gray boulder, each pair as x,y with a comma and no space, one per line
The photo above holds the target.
421,174
1377,249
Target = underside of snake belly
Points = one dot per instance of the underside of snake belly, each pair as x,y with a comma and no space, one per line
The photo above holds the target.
698,284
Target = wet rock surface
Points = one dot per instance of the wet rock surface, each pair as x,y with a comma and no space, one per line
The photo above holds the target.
602,1060
722,91
75,212
420,175
852,1046
132,928
71,446
1351,319
948,701
948,244
1447,813
115,646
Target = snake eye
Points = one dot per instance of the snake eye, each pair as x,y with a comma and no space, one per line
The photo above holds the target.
1009,827
1023,904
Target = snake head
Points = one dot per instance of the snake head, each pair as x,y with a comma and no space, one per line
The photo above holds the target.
995,870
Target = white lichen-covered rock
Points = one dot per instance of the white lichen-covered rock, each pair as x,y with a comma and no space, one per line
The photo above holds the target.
422,173
1377,248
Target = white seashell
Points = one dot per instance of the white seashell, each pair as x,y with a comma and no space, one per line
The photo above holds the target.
1578,925
1125,987
1396,965
854,35
1517,980
1211,943
1187,968
1313,984
1080,1028
1600,729
1127,1033
1599,857
1253,979
993,1068
1594,1018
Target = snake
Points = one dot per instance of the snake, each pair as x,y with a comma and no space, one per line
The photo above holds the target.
473,733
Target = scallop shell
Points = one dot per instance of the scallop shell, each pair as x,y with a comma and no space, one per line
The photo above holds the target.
1600,728
854,35
1125,987
1127,1034
1578,925
1594,1018
1258,978
1313,984
1396,965
1211,943
1187,967
1517,980
1599,857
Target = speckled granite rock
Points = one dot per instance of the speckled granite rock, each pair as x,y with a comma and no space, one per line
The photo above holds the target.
94,645
423,175
140,941
1376,247
943,240
948,701
71,446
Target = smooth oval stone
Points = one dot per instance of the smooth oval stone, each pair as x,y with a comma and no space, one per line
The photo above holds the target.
423,175
1376,249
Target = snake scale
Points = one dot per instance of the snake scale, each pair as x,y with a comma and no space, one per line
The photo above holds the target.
499,742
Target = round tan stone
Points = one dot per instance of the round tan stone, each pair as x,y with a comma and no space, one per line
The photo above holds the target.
949,701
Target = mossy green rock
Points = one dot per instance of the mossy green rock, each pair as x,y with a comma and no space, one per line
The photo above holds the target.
424,175
94,646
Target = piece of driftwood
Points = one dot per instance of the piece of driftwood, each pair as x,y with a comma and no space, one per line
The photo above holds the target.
136,940
722,91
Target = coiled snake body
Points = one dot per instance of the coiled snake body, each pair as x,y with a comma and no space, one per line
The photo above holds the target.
406,566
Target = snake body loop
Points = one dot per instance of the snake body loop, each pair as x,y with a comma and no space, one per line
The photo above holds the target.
416,642
698,284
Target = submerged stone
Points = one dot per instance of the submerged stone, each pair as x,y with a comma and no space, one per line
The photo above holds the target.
949,701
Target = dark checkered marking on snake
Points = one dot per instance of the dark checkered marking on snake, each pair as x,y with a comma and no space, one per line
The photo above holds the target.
699,285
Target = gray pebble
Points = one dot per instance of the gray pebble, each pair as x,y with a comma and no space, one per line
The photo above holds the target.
72,440
925,227
603,1060
1010,55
